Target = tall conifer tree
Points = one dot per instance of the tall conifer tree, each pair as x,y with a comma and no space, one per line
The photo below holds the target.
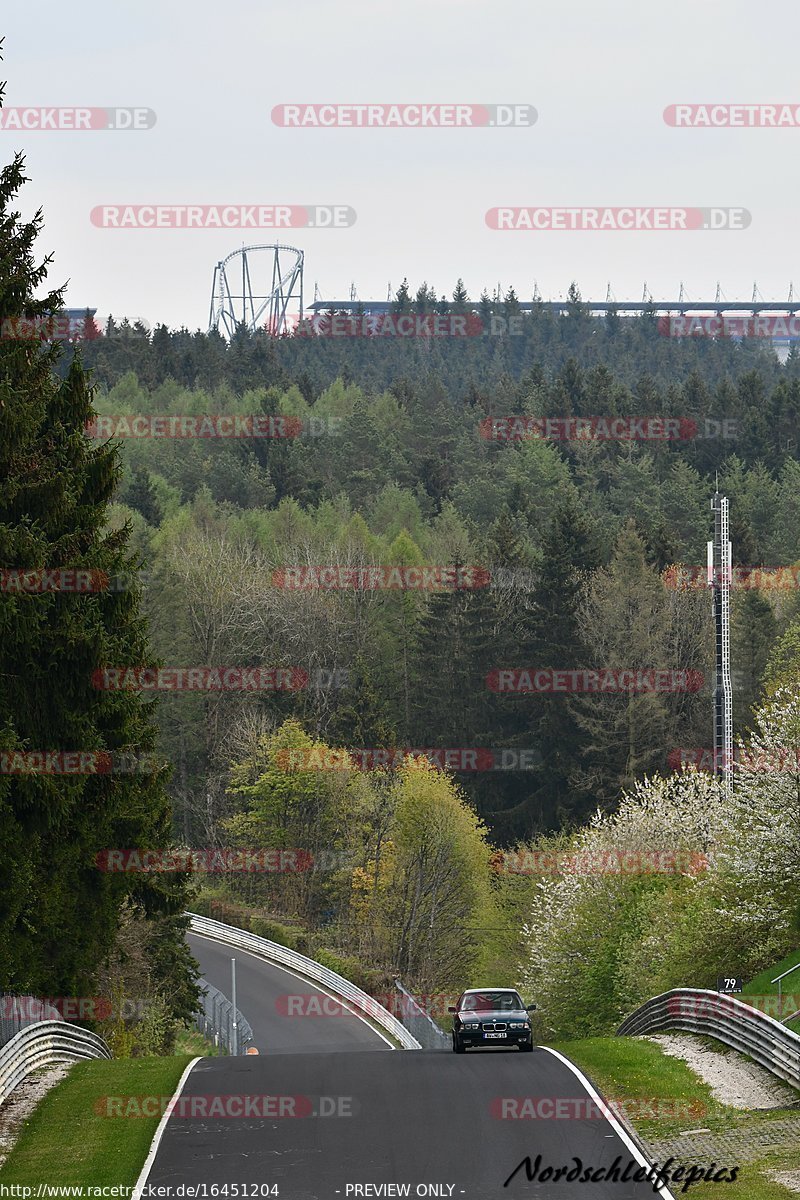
58,910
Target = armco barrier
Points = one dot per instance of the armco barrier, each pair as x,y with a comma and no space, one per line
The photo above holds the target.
281,956
716,1015
45,1044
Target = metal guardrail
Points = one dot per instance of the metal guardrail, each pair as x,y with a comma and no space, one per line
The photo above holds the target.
45,1044
17,1012
282,956
419,1023
716,1015
779,980
215,1020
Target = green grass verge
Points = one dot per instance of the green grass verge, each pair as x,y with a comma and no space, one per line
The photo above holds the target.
762,985
628,1070
634,1073
191,1042
67,1141
750,1185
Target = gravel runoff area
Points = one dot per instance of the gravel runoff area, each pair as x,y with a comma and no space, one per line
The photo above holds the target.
734,1080
23,1100
789,1179
738,1083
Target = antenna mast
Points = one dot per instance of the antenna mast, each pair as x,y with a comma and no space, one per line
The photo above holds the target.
719,580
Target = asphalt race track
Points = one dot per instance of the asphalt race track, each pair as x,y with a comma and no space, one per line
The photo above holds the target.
406,1117
319,1117
261,996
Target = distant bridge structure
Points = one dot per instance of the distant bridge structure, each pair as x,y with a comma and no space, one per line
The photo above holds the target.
626,308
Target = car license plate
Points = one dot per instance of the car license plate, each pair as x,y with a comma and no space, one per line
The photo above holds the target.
498,1035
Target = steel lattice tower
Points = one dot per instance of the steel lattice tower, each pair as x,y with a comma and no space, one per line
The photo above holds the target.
719,580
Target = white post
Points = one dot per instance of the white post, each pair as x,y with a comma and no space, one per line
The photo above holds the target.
235,1039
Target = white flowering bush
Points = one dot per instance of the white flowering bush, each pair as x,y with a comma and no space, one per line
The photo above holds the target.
759,850
601,940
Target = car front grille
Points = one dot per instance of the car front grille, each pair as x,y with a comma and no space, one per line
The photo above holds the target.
494,1026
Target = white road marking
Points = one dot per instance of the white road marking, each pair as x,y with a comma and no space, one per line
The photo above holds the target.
162,1125
620,1131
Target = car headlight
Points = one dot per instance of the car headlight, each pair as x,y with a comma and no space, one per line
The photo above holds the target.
471,1025
519,1025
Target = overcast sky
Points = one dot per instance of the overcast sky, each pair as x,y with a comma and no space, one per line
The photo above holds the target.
599,75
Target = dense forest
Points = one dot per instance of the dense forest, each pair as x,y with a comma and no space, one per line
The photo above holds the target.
390,463
408,530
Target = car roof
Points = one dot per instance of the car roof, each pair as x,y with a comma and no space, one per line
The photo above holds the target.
474,991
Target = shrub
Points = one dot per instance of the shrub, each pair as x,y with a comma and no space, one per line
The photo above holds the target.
363,977
285,935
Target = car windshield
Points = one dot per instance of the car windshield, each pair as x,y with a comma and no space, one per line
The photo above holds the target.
491,1002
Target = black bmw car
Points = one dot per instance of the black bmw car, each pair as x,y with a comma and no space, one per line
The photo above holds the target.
491,1017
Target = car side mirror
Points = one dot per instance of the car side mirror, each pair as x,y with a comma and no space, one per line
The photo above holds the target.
451,1008
531,1007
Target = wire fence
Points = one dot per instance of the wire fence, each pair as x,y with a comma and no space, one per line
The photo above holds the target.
17,1012
215,1021
418,1023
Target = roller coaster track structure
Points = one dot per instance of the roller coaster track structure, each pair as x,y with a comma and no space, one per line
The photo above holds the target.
255,286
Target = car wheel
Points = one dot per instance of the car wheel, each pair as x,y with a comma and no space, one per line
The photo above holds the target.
458,1045
526,1047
